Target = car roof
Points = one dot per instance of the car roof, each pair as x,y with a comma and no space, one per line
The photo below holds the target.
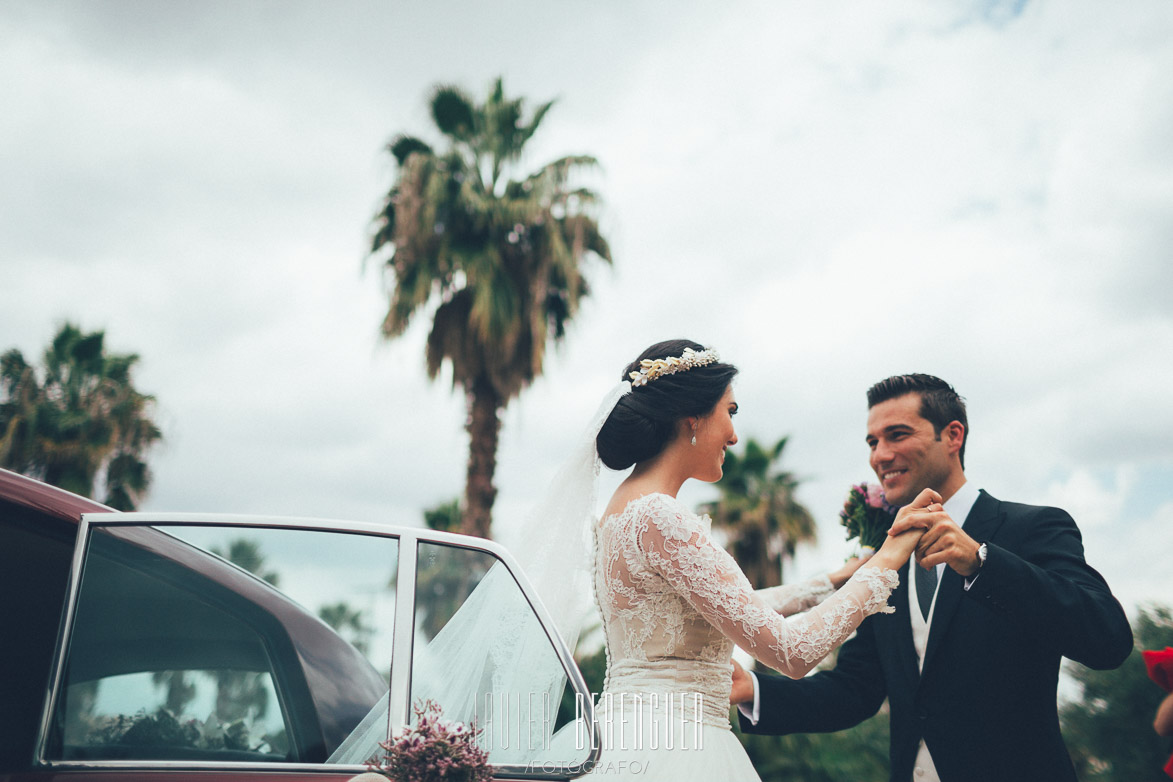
30,493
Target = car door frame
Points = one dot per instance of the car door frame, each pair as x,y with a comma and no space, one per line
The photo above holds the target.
403,637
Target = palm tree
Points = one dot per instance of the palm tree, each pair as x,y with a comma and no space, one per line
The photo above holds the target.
83,425
758,508
496,260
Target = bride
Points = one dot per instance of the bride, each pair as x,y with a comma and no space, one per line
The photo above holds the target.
674,603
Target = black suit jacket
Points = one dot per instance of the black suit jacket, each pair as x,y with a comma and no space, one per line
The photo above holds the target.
985,703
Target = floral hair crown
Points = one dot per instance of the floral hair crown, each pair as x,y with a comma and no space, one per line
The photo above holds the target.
650,369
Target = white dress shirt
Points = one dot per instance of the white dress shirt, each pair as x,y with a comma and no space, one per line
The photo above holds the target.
958,507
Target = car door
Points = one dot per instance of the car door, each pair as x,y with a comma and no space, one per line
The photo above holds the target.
235,646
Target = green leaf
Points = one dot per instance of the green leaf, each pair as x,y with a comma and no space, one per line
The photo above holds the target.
402,147
453,112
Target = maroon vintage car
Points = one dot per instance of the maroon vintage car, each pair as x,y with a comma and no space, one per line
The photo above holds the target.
153,645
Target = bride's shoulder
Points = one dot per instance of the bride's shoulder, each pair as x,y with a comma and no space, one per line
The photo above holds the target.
663,518
656,504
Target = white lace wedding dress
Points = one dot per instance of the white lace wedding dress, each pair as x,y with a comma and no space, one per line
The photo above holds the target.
673,606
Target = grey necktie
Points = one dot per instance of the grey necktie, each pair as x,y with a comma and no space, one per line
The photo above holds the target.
926,584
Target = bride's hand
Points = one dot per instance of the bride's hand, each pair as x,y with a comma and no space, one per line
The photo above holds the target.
919,515
839,577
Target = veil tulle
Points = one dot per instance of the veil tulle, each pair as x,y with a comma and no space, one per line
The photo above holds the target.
471,659
555,543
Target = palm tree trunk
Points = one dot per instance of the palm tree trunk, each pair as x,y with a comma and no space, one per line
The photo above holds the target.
483,427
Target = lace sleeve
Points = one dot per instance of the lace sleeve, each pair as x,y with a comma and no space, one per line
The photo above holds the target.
678,547
795,598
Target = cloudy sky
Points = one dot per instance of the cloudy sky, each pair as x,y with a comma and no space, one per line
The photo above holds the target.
829,193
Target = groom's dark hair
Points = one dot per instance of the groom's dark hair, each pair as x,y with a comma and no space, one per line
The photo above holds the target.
940,405
644,421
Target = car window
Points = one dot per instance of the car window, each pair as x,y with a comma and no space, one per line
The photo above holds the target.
224,643
482,654
157,713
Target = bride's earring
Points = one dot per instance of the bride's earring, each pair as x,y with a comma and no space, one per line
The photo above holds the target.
694,434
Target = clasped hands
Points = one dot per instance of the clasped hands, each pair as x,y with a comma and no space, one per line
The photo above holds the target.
941,539
922,527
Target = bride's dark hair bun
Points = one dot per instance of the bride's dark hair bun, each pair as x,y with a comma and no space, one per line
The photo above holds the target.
644,421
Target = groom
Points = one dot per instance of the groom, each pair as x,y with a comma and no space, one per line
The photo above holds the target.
970,660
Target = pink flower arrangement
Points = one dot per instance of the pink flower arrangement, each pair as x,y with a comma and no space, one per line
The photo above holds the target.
866,515
433,749
875,495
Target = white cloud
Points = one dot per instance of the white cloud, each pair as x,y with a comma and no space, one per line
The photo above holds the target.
1131,557
1089,502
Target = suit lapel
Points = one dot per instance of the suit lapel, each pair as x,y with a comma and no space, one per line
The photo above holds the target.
983,520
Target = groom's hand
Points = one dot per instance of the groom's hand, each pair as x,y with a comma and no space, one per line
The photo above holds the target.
742,691
943,541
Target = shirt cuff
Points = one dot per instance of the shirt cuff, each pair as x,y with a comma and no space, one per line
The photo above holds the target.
756,714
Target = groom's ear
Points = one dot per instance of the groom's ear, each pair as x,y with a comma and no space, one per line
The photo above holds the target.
954,436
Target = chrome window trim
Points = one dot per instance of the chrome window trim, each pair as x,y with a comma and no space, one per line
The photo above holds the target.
57,670
403,635
403,643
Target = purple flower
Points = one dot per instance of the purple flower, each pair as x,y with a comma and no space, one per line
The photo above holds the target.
875,495
433,748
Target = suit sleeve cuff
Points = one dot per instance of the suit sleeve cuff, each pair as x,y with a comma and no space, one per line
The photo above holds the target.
756,713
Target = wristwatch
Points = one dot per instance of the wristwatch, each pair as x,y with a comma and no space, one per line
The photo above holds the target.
983,550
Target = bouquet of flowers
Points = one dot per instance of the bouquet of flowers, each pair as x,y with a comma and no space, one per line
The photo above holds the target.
867,515
433,749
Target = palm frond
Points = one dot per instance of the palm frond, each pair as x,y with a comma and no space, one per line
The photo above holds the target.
85,419
497,302
384,222
448,338
403,146
527,132
550,181
454,112
594,241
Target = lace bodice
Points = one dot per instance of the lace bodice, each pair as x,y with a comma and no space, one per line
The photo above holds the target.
669,595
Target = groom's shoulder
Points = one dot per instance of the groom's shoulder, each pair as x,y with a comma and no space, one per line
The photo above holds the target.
1021,510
